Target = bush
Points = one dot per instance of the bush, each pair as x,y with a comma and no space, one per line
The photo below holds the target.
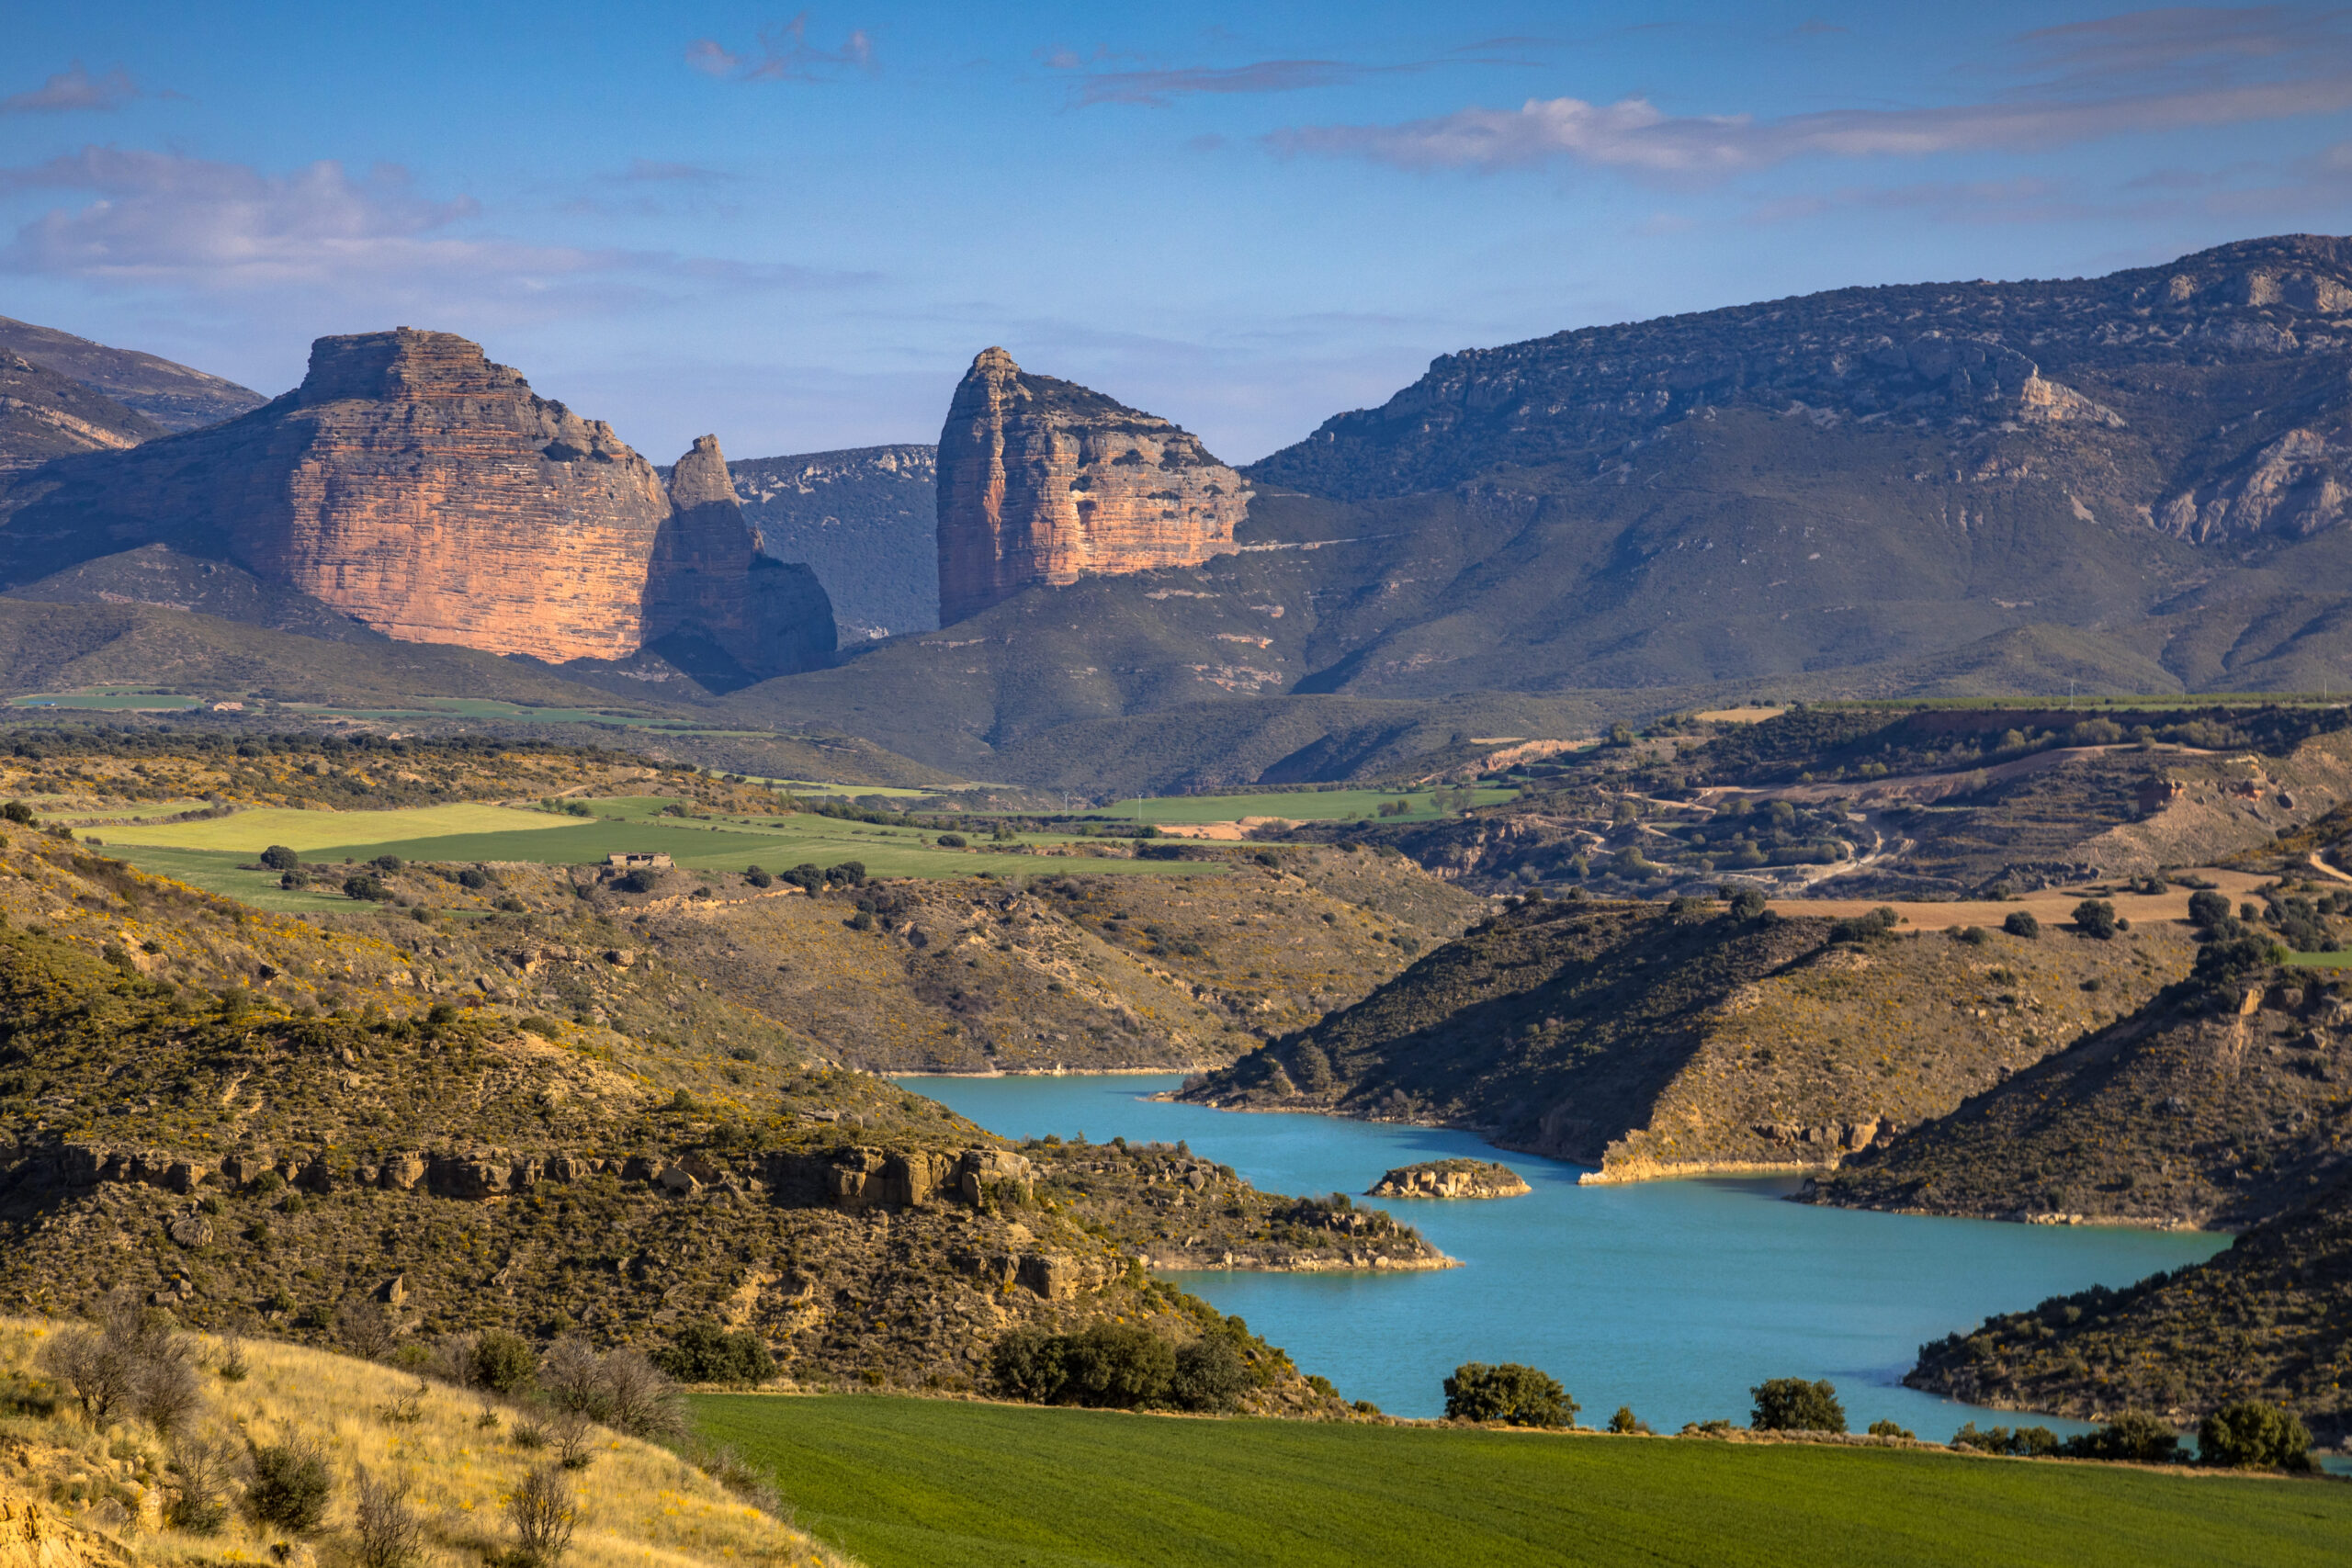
543,1514
1889,1429
1521,1396
1865,927
277,857
2134,1435
1626,1422
758,878
850,872
2095,916
2251,1435
367,886
2026,1442
503,1363
702,1352
386,863
16,811
2020,922
1117,1366
1026,1364
1748,904
199,1473
390,1533
950,841
2207,910
473,879
1210,1374
288,1484
619,1388
1792,1404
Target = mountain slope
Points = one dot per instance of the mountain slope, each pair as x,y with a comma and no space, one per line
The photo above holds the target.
174,396
1645,1039
44,415
865,520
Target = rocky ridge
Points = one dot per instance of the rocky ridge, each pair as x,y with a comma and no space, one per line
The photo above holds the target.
44,415
865,521
1043,482
174,396
431,495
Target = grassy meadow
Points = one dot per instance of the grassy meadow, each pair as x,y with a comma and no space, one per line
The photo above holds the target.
209,854
905,1482
1299,805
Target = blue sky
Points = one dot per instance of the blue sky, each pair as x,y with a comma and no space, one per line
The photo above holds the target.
796,229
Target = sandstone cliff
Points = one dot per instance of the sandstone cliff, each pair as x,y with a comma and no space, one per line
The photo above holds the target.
430,494
1041,481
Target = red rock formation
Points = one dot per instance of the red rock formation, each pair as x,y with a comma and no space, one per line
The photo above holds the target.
1042,481
432,495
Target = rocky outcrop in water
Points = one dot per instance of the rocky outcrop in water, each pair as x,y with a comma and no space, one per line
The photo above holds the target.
1043,482
1450,1179
429,493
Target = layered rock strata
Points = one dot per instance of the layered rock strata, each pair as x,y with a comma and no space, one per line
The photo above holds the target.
44,415
1043,482
430,494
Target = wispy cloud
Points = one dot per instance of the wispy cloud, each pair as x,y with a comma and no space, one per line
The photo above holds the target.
649,171
159,219
785,55
1103,78
2147,72
73,88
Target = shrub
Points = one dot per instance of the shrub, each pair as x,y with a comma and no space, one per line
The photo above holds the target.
1865,927
1117,1366
950,841
1748,904
386,863
1026,1364
1792,1404
2207,910
1521,1396
367,886
2133,1434
390,1534
2095,916
2026,1442
759,879
288,1484
503,1363
1626,1422
16,811
702,1352
2251,1435
473,879
365,1327
1889,1429
200,1471
277,857
619,1388
543,1514
2020,922
1210,1374
850,871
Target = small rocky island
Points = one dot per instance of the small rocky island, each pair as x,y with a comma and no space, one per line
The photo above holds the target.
1450,1179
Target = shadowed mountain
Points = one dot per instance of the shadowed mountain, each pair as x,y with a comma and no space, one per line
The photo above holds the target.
174,396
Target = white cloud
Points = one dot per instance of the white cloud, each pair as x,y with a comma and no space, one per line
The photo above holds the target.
73,88
2145,71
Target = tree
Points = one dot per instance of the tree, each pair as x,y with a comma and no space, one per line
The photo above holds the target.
277,857
16,811
2020,922
1210,1374
1512,1394
2207,908
2133,1436
1748,904
2095,916
1792,1404
2251,1435
703,1352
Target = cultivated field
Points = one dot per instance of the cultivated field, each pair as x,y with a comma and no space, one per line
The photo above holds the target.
1298,805
946,1484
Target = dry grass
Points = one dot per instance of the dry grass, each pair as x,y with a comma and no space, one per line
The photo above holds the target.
640,1505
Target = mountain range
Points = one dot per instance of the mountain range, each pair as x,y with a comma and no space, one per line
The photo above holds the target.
2129,482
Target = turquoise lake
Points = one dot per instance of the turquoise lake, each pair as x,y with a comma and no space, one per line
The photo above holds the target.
1673,1297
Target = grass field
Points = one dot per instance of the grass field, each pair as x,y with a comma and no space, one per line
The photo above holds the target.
208,854
1303,806
906,1481
2339,960
108,701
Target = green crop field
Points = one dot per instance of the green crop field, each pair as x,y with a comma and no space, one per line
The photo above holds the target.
1303,806
107,701
945,1484
2338,960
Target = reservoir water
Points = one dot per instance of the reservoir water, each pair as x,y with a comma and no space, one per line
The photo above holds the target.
1672,1297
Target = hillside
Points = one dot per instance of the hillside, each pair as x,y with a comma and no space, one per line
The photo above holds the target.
45,415
2217,1106
1649,1039
174,396
120,1493
243,1112
2270,1318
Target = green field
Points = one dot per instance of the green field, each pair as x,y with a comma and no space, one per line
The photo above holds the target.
2338,960
907,1481
208,854
1303,806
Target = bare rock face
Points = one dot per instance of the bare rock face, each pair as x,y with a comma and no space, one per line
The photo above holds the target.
1042,481
431,495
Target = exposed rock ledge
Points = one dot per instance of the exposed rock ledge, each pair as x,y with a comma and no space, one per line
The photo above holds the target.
1450,1179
